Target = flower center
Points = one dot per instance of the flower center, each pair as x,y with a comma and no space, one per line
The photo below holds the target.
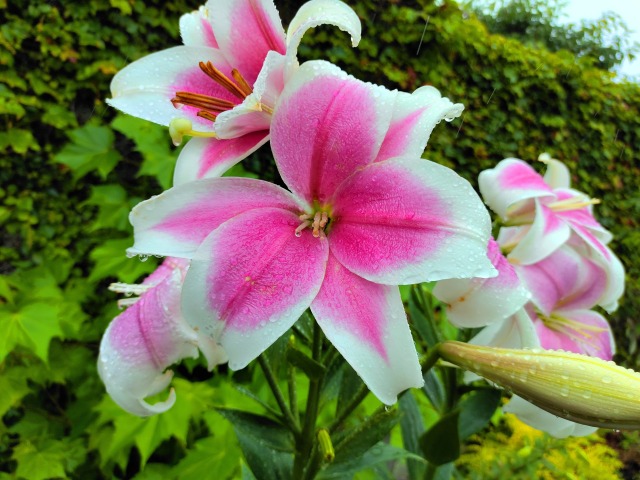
317,221
209,107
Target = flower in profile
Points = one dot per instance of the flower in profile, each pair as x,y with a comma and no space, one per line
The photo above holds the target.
149,336
222,84
582,389
359,220
543,212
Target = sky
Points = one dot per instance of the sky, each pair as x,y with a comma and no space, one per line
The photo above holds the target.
629,10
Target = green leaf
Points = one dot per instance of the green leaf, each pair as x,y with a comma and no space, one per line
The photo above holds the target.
441,444
361,438
420,313
210,454
21,141
435,390
113,207
91,148
309,366
350,384
111,261
32,327
13,385
52,459
267,446
154,144
412,427
379,453
476,409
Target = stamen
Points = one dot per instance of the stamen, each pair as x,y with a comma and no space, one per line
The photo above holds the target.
317,222
199,100
573,203
242,83
221,79
207,115
301,227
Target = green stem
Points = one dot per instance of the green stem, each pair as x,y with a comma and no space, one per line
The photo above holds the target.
311,413
349,408
289,419
293,392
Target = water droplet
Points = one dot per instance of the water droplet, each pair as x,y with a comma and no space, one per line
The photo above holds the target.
606,379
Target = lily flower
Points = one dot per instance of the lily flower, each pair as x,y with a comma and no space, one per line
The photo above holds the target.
476,302
565,286
579,388
546,209
222,84
148,337
354,225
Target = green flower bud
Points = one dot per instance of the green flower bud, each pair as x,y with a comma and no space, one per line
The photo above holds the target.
579,388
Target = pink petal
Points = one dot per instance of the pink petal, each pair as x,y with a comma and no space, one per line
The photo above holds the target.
564,280
588,333
253,114
547,422
544,236
246,31
477,302
177,221
366,322
325,126
211,157
510,182
196,30
407,221
145,87
414,118
251,279
145,339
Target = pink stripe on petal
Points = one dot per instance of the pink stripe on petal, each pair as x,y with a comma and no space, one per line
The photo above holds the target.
195,29
325,126
366,322
210,157
407,221
246,31
521,176
251,279
177,221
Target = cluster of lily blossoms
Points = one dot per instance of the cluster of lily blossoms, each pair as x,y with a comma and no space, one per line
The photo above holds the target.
362,214
554,268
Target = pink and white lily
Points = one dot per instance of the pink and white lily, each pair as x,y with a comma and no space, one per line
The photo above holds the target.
547,210
476,302
147,338
222,85
356,223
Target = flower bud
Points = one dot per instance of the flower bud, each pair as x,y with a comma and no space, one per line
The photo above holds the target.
582,389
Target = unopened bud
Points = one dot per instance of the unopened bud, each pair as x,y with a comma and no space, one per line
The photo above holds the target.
582,389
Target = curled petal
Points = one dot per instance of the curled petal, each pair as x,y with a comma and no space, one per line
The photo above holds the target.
516,331
196,30
405,221
366,322
177,221
144,340
414,118
145,87
557,174
254,113
246,31
322,12
212,157
251,279
510,182
477,302
547,422
325,126
544,236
